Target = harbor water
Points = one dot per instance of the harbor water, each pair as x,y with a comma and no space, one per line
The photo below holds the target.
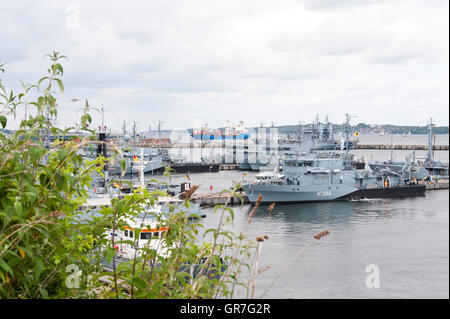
407,240
402,241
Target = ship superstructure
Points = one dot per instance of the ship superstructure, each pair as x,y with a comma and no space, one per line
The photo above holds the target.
327,176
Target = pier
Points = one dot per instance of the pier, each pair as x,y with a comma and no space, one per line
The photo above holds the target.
357,146
441,184
399,147
211,199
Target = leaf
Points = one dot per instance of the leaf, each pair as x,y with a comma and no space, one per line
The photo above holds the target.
18,208
22,253
123,167
59,68
32,196
62,154
3,121
5,266
129,242
109,254
35,153
60,84
42,79
139,283
44,292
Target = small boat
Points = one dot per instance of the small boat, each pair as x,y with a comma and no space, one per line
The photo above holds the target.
150,235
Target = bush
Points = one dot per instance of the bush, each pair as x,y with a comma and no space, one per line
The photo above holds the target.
49,249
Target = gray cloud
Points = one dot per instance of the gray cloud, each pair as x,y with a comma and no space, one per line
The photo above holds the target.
257,61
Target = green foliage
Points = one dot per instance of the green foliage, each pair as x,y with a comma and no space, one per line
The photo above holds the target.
47,241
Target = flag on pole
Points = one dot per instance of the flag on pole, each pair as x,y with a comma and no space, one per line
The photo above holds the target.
136,159
117,185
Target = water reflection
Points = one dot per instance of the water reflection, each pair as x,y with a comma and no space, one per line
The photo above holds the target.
392,233
341,212
325,213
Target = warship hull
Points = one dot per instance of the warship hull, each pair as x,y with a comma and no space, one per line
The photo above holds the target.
195,168
154,168
288,194
420,173
390,192
295,193
244,166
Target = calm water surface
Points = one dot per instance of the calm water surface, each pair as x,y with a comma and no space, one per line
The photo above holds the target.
408,239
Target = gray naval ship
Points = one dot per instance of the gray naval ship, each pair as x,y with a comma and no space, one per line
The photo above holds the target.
420,168
327,176
317,137
154,162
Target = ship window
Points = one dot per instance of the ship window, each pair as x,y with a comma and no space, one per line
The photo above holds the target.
126,233
156,234
305,164
131,234
146,235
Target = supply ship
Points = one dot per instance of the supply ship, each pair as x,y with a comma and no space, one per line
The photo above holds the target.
238,131
421,168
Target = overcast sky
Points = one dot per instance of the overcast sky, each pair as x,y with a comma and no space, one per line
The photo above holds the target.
255,61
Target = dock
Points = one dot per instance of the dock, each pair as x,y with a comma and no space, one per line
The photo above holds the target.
230,144
399,147
212,199
440,184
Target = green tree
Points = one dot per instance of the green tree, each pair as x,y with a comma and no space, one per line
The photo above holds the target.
47,242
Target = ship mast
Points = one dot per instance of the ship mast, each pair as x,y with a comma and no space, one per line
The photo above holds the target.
430,137
159,136
124,131
134,132
300,132
347,134
103,122
392,148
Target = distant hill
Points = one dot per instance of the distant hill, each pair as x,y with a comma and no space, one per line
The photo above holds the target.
366,128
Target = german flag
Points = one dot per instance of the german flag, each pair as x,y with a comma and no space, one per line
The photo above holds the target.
135,158
187,176
117,185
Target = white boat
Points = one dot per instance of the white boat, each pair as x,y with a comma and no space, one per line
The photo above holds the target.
151,235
